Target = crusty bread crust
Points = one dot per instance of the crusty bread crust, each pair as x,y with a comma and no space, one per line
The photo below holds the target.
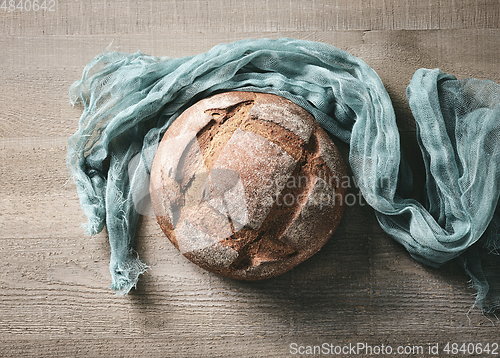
240,185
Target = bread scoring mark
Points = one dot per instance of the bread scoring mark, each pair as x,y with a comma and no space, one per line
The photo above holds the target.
268,242
330,155
163,206
264,244
201,153
201,221
172,197
190,162
281,216
187,187
275,133
214,136
168,229
293,118
216,257
316,210
259,251
257,160
227,195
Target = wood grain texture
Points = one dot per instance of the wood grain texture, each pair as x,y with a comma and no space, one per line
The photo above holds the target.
237,16
60,60
361,287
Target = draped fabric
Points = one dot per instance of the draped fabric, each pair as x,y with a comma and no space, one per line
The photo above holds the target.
130,100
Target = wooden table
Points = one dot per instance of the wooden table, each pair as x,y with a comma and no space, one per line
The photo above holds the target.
361,288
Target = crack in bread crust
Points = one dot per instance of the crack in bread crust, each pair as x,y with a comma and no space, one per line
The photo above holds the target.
215,135
209,142
309,166
276,134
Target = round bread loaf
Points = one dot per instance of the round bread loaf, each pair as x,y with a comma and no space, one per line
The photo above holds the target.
247,185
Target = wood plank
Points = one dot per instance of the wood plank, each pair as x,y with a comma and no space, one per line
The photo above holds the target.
213,346
353,289
233,16
60,61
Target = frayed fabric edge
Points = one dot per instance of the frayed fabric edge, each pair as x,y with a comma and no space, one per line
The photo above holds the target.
482,288
487,309
126,274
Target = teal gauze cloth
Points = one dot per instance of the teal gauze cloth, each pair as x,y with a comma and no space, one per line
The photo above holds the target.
130,100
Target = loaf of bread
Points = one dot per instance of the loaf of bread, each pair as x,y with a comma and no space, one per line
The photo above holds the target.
247,185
